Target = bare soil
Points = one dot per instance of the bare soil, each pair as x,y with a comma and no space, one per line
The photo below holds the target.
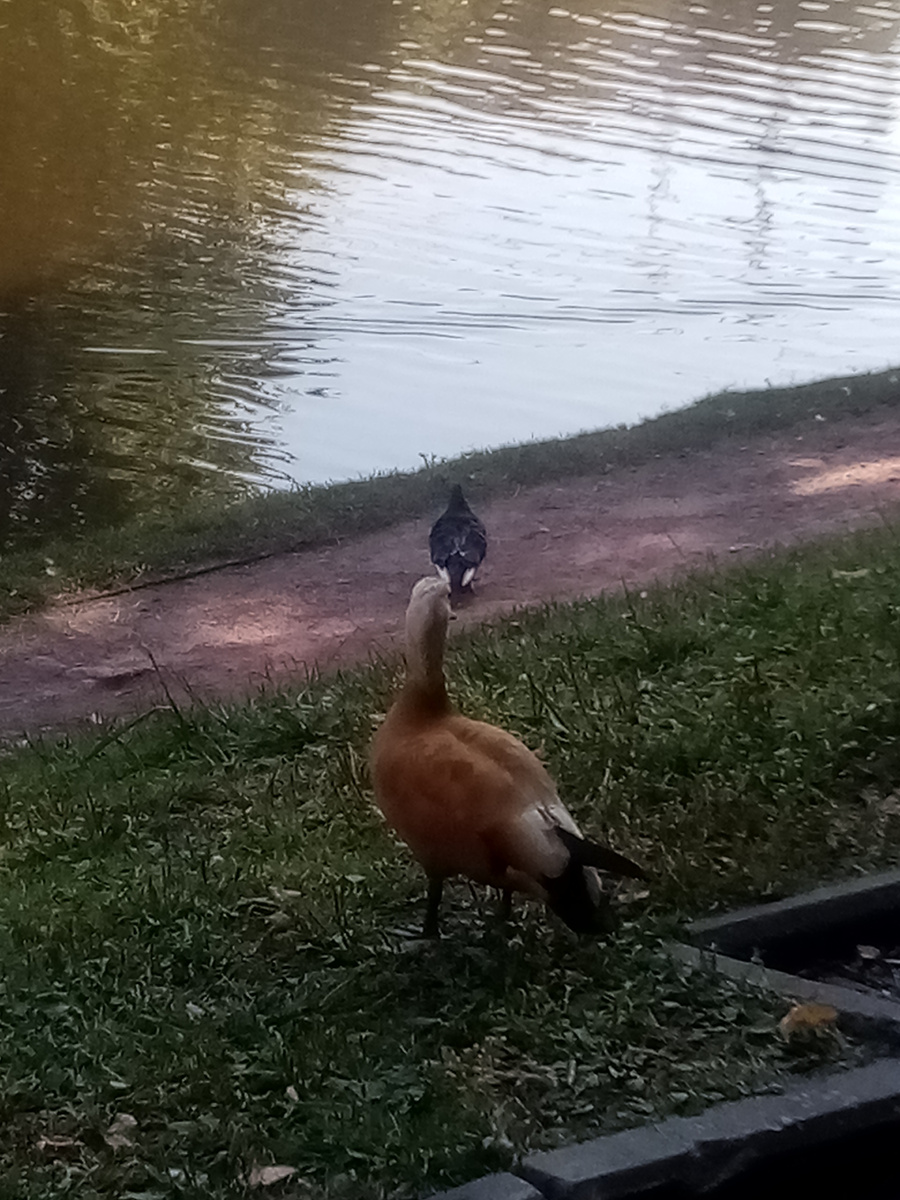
230,631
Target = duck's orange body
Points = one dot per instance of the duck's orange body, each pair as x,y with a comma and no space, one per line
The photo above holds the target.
460,794
470,799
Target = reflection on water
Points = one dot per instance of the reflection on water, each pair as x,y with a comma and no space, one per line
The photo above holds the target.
245,242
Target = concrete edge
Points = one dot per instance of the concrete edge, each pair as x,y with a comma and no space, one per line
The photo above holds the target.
690,1150
703,1152
808,913
865,1016
493,1187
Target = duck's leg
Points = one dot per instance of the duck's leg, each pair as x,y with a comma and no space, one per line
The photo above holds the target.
506,904
435,890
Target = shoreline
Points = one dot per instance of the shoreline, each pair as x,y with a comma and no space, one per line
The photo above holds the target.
225,632
217,533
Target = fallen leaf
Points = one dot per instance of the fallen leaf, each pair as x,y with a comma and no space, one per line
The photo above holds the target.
803,1017
869,952
59,1147
119,1135
266,1176
860,574
886,806
283,894
292,1094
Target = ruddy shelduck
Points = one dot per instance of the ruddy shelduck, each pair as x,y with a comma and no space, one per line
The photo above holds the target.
470,799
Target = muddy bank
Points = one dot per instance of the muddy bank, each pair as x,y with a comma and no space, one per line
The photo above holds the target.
230,631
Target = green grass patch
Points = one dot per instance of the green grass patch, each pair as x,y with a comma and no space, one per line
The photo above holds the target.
215,529
205,925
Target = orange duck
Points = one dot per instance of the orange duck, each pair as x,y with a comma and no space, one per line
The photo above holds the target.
470,799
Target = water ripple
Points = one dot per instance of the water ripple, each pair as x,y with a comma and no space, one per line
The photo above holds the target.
329,247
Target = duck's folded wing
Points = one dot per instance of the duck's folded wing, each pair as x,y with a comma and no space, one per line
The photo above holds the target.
541,836
473,543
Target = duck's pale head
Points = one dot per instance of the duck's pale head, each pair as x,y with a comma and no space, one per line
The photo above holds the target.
429,601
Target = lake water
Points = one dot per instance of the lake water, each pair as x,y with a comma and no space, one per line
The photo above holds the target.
264,241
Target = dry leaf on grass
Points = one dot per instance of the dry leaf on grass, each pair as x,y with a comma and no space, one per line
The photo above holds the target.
889,805
804,1017
285,895
58,1147
119,1136
266,1176
631,896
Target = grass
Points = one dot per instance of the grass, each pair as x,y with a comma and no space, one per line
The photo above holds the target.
205,926
214,529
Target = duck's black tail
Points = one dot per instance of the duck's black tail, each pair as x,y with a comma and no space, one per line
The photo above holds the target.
591,854
576,900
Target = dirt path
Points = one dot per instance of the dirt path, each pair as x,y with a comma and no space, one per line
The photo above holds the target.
230,631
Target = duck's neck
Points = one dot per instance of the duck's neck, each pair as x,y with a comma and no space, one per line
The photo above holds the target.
458,505
425,687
